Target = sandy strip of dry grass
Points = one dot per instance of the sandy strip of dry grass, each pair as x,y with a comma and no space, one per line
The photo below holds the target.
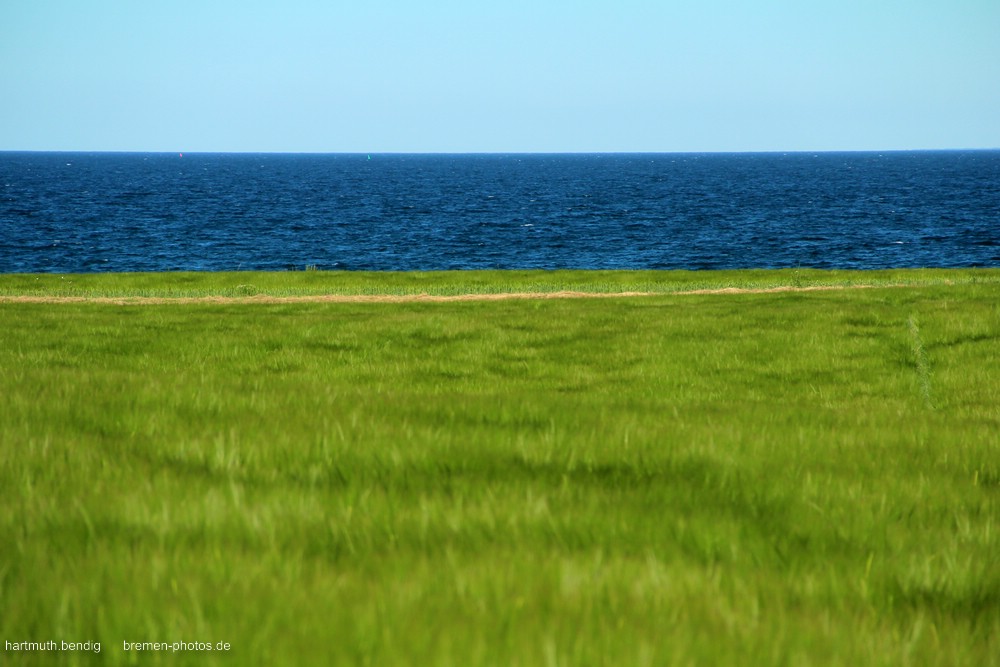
407,298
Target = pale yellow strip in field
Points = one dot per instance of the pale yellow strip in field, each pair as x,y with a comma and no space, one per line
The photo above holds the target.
408,298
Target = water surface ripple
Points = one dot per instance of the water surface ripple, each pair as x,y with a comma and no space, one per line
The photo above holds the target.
81,212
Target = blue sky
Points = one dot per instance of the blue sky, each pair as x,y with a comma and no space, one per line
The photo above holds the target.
513,76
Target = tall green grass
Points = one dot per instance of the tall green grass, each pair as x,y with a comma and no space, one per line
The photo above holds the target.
787,478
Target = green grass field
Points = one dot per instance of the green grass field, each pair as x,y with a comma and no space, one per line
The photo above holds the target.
791,478
307,283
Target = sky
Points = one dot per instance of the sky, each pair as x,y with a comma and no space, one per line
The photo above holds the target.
454,76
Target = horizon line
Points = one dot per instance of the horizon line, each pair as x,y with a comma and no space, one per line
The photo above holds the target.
494,152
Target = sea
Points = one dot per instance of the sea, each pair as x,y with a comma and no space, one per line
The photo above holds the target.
103,212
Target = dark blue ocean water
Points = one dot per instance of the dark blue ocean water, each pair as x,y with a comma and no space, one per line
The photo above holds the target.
76,212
